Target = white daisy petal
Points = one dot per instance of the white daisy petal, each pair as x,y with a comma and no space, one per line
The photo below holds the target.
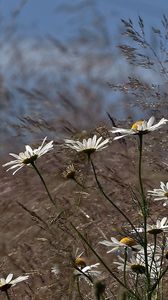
29,156
160,194
139,127
121,136
88,271
14,155
9,278
91,145
5,284
119,247
19,279
151,121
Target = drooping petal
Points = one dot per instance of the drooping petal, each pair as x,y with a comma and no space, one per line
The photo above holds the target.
19,279
9,278
151,121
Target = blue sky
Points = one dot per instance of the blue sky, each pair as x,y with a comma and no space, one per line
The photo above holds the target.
40,17
38,60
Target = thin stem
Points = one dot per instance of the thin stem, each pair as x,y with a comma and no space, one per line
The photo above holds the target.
114,205
157,57
71,287
7,295
43,181
125,265
78,183
154,252
136,283
103,263
163,250
83,185
144,41
144,212
158,280
79,292
88,277
144,202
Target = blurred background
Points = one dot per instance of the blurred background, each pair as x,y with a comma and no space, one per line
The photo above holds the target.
65,64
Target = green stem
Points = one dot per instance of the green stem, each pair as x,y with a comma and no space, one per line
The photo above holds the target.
42,179
125,265
71,287
7,295
154,252
79,292
78,183
88,277
158,280
144,202
144,212
114,205
136,283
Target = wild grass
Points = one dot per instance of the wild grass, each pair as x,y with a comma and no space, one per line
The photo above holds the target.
53,218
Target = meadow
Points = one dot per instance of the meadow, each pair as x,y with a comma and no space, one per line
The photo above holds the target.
85,215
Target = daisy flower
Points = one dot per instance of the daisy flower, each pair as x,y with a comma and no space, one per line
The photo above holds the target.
160,194
8,282
159,227
88,146
69,173
136,264
87,271
119,247
28,157
79,260
139,127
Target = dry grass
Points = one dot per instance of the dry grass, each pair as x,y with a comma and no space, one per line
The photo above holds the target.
34,236
35,240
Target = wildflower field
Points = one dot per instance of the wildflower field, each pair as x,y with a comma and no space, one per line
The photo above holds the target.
84,187
87,219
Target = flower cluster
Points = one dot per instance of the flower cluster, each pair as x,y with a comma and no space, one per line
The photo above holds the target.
138,256
131,256
136,263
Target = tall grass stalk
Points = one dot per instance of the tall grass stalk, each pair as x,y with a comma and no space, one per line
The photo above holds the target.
43,181
7,295
112,202
144,213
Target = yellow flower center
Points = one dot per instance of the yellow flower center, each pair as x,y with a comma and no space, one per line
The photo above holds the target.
128,241
166,194
80,262
136,124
